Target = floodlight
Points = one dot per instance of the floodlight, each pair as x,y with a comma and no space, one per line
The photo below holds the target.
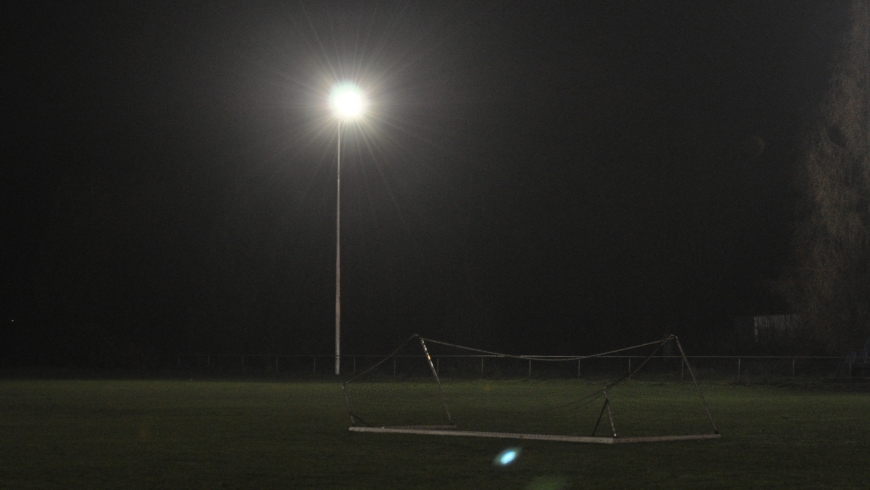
346,101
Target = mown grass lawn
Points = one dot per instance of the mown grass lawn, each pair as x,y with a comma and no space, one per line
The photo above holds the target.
152,434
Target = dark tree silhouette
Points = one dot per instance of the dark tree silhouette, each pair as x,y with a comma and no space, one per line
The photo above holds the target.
830,285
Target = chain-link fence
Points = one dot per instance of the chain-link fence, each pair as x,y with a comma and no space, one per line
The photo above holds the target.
739,368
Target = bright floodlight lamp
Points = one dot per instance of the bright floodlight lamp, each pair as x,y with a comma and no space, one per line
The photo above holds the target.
346,101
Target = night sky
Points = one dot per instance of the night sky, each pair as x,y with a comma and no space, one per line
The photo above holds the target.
532,177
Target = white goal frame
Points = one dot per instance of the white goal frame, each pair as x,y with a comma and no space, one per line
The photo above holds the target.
451,429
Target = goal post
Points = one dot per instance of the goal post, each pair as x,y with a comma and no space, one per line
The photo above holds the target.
429,387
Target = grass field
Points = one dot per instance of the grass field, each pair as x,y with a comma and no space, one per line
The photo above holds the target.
133,434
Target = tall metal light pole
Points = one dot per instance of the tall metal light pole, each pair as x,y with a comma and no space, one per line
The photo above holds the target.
347,103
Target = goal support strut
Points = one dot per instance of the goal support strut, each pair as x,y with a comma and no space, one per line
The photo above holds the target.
437,379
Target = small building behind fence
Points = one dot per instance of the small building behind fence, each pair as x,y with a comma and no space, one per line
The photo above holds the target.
767,332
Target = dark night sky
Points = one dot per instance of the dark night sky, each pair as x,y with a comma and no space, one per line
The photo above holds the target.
538,177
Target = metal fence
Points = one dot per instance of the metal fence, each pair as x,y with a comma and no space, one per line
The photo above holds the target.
491,366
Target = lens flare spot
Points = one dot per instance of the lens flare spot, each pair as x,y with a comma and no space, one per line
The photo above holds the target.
506,457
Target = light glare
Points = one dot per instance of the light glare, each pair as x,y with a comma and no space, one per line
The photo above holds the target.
346,101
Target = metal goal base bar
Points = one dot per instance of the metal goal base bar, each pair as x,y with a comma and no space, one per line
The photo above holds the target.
535,437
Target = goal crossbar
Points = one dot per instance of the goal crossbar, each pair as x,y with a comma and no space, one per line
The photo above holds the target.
534,437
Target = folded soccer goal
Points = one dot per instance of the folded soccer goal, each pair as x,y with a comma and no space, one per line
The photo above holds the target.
644,393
